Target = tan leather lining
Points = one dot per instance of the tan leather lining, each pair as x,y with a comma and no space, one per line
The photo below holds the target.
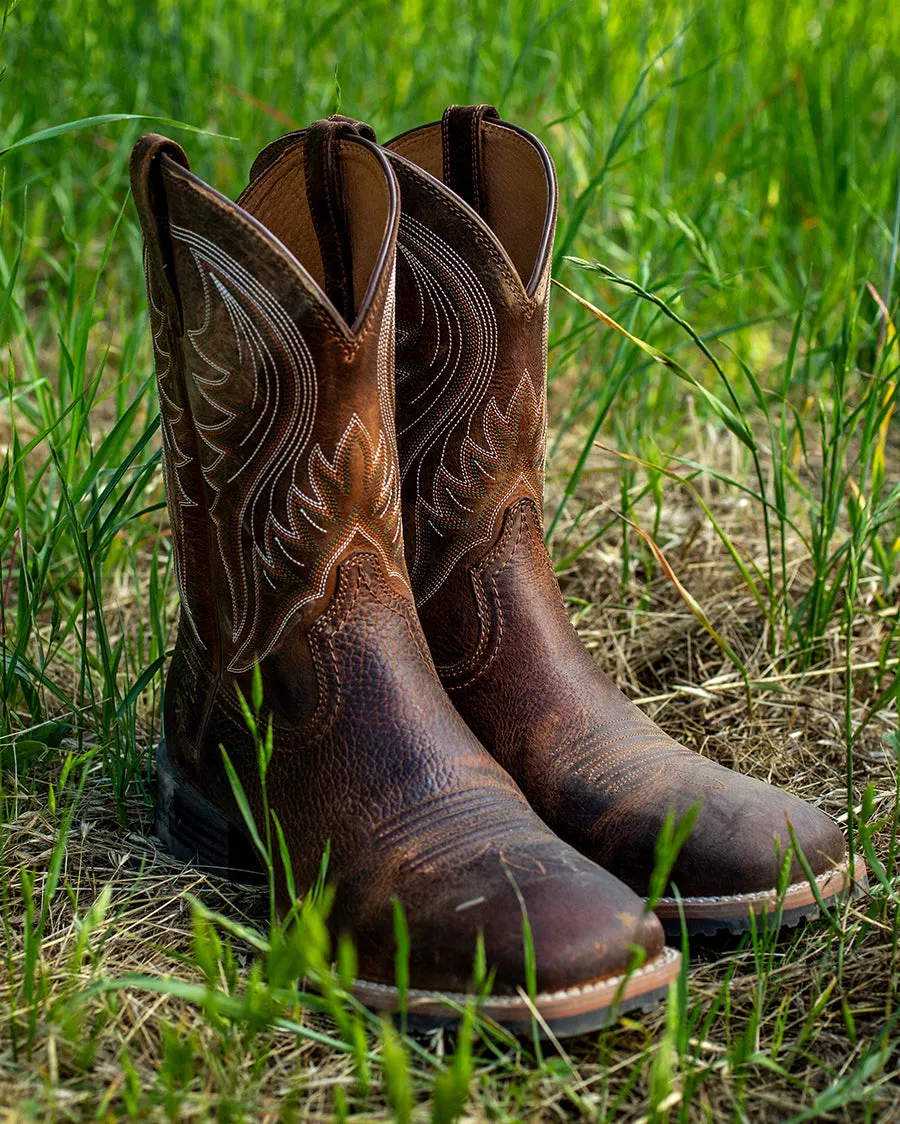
516,194
277,199
514,182
423,147
366,207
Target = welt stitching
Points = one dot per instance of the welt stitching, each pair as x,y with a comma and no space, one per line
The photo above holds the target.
333,180
476,186
445,153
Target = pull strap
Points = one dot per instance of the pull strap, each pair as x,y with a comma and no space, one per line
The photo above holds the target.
324,194
461,135
274,149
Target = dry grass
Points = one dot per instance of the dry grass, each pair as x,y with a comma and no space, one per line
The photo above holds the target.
816,1020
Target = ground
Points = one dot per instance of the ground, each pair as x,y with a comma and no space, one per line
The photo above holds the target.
729,195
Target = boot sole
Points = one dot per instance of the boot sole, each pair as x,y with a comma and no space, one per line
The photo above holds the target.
575,1010
194,831
730,915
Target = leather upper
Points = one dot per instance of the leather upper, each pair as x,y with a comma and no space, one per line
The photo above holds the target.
471,377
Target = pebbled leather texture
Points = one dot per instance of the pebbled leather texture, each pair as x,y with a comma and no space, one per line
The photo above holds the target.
283,489
471,376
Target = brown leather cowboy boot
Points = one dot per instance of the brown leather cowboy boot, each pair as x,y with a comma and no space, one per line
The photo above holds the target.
273,325
478,212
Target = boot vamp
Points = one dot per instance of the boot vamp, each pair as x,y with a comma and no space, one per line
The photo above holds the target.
597,769
413,808
613,803
583,923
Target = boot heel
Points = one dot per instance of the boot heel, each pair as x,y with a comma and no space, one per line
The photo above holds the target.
193,830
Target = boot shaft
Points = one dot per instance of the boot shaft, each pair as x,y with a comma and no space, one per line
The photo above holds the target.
273,325
478,215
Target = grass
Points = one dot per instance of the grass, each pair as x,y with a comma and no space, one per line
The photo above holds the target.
722,498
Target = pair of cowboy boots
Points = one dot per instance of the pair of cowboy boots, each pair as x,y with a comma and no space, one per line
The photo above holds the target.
351,363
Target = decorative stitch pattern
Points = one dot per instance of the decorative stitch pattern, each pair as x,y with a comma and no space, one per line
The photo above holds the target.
284,513
464,455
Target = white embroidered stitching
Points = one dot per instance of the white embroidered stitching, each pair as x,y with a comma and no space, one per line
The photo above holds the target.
448,504
285,519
